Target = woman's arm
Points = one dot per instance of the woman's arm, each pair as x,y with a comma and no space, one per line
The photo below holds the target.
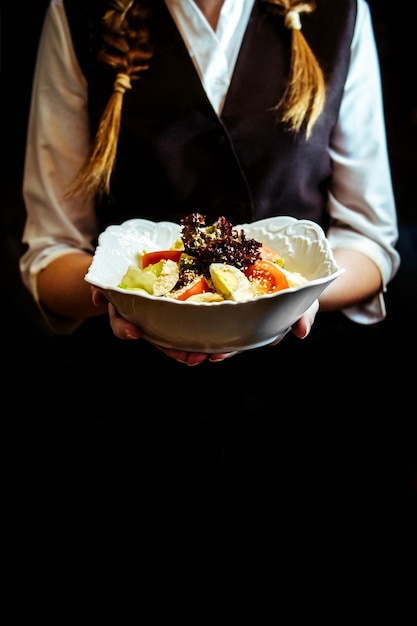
361,200
59,232
360,282
64,293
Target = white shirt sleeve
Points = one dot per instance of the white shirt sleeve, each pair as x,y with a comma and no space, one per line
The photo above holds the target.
361,199
57,142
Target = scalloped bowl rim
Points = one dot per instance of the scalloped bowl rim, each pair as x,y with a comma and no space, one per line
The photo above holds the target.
275,225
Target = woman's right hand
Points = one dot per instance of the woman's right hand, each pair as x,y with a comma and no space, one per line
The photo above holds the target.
121,328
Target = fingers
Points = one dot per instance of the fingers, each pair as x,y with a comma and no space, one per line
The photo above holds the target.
121,327
187,358
98,297
195,358
302,327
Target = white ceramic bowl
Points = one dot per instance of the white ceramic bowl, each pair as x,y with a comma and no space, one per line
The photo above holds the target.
215,326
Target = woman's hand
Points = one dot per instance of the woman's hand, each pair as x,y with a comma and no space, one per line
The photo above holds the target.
302,327
126,330
120,327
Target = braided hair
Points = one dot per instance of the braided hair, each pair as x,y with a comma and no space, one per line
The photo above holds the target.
127,48
305,95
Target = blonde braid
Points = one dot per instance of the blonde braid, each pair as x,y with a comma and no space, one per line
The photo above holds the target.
305,95
127,49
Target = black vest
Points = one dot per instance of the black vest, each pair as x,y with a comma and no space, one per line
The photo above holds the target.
176,156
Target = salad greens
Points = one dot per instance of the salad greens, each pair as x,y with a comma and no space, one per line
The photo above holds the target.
219,242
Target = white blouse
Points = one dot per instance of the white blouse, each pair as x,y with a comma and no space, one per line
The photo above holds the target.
360,201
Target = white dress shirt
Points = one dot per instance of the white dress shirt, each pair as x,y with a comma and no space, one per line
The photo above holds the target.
360,201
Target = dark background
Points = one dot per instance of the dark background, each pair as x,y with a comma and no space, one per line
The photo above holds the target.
28,346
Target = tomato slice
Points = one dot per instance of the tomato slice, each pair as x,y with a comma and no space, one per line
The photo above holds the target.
267,254
267,275
149,258
198,286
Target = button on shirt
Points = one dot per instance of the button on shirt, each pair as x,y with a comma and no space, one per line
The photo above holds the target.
214,53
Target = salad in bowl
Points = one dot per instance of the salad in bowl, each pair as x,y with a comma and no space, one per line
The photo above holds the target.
210,263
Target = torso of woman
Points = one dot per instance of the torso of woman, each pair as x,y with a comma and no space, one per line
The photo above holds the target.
177,156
